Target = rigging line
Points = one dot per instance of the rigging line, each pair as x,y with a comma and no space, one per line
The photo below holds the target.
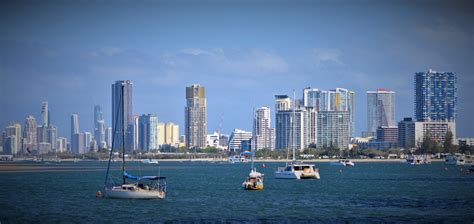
112,148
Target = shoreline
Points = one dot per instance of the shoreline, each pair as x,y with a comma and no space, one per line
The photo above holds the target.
19,160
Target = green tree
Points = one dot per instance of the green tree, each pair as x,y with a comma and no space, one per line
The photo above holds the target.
448,142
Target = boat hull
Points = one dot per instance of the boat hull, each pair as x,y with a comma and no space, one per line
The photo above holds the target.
286,175
137,194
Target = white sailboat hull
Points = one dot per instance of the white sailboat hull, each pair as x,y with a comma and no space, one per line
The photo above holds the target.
286,175
136,194
296,175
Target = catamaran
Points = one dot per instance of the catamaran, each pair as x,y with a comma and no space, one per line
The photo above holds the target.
132,187
296,169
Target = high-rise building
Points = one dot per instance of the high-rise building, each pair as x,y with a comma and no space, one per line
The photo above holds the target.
262,136
98,116
44,147
312,98
52,135
195,116
108,137
387,134
100,135
148,132
74,125
13,132
135,132
290,129
30,140
333,129
160,127
45,113
406,133
338,99
380,109
87,141
295,127
61,144
436,130
127,109
282,102
236,138
435,96
171,134
78,143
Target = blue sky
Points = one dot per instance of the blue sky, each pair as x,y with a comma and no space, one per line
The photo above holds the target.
244,52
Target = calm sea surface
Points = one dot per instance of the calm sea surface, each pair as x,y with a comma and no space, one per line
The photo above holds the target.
211,192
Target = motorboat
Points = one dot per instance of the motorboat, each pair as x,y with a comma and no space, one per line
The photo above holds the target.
418,159
150,161
237,159
343,162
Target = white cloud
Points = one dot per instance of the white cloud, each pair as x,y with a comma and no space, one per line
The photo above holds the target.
325,56
237,62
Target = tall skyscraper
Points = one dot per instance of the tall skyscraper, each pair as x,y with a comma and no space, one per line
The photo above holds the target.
262,133
148,132
98,116
117,107
100,134
195,116
74,125
13,132
52,136
45,113
435,96
87,141
333,129
30,141
380,109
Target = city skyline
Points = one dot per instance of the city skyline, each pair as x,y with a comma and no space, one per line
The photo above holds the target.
241,73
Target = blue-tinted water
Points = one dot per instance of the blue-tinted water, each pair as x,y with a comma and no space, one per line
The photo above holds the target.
211,192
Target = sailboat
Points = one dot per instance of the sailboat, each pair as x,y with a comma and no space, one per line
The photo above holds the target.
296,169
254,180
132,187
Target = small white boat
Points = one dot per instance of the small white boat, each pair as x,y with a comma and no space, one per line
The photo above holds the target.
150,161
343,162
418,159
297,170
237,159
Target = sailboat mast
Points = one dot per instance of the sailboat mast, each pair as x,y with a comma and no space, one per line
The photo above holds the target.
252,149
123,133
293,126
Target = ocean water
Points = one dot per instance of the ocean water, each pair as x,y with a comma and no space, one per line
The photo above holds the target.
211,192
